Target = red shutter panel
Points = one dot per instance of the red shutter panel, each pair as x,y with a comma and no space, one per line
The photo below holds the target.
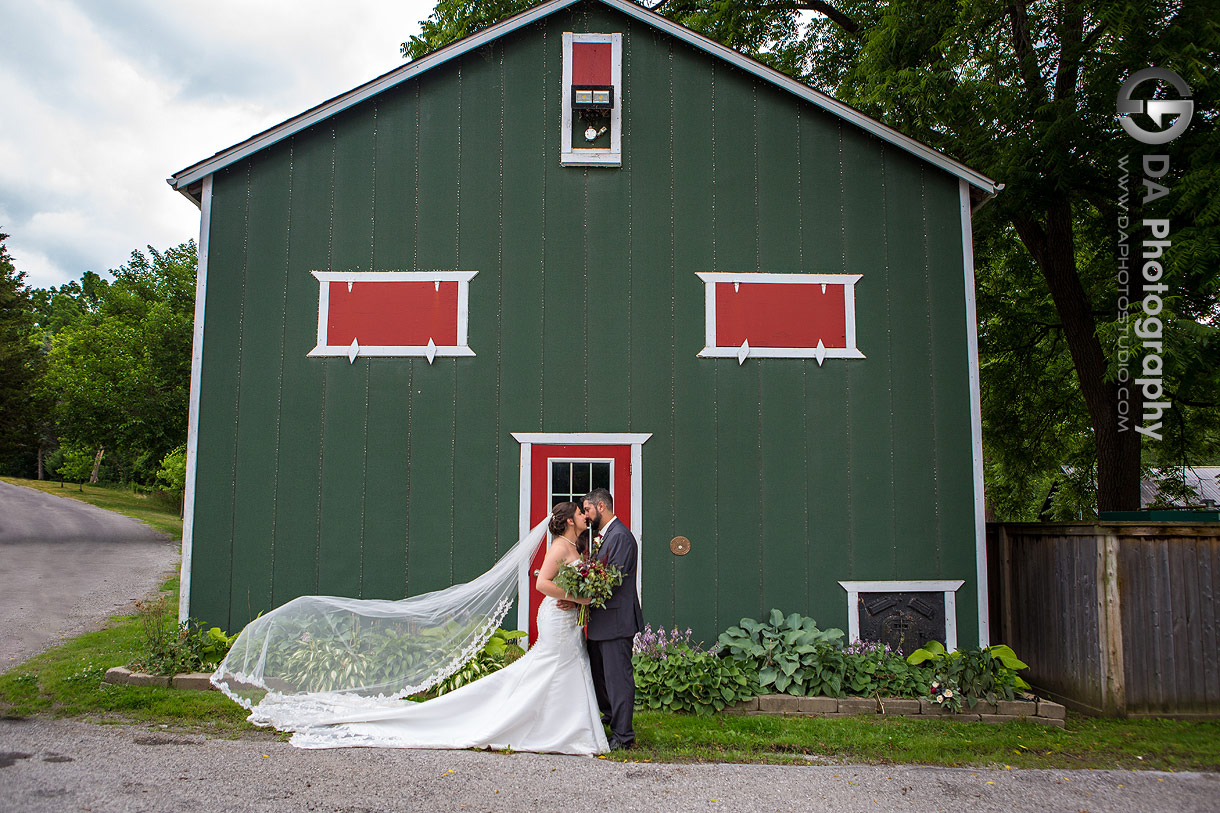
591,63
780,316
393,313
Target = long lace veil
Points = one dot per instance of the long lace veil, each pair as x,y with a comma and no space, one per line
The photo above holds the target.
318,655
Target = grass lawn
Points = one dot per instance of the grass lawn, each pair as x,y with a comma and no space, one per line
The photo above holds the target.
67,682
142,507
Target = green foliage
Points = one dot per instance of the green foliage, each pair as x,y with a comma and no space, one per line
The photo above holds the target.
77,463
170,648
21,364
451,20
498,652
872,669
673,673
971,675
328,652
791,654
118,370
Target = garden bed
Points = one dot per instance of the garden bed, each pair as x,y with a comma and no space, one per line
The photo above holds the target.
1039,711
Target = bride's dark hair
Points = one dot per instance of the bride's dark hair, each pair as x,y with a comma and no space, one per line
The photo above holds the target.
560,514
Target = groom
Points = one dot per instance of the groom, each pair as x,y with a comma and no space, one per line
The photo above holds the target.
612,628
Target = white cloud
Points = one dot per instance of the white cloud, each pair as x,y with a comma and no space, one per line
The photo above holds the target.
104,101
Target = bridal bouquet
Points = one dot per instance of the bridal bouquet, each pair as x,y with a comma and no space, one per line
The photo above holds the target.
591,579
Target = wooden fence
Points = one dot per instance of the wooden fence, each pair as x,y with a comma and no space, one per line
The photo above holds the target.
1118,618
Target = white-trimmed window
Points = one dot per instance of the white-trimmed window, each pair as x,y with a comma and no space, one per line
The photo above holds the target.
393,313
592,133
780,316
943,588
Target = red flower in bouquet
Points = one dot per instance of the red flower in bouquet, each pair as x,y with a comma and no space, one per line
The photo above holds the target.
591,579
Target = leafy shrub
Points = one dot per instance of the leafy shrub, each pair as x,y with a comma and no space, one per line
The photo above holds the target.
169,648
499,651
970,674
673,673
790,654
874,669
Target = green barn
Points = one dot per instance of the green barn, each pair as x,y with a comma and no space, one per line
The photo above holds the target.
587,246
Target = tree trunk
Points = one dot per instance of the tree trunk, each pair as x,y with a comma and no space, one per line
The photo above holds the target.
1118,448
40,450
97,464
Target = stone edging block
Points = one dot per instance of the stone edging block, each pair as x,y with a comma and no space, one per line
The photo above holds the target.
191,680
1039,711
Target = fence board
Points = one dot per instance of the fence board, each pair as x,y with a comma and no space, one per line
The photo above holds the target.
1154,630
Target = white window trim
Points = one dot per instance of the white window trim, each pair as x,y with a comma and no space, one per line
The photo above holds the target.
570,156
430,351
948,587
527,440
713,350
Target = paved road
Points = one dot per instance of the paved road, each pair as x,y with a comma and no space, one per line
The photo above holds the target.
54,765
66,566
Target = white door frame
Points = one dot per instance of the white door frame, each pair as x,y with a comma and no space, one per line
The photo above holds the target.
527,440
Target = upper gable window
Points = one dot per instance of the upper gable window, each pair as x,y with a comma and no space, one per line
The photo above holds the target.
592,132
780,316
393,313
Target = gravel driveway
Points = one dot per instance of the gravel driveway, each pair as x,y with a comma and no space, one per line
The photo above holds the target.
66,566
53,765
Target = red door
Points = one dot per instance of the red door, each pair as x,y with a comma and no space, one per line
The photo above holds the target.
568,472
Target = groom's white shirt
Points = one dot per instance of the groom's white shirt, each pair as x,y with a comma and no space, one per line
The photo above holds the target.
602,531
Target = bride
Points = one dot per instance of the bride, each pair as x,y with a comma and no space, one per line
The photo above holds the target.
544,701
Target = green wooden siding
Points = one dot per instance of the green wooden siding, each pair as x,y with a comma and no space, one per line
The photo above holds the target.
393,476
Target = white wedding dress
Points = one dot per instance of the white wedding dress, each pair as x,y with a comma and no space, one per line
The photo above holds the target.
541,702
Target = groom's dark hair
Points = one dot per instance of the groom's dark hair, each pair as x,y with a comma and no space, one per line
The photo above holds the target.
599,495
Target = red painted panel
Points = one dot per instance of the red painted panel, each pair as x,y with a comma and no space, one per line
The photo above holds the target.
591,63
780,314
392,313
540,495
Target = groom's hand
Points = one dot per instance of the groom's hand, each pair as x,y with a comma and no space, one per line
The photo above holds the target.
564,604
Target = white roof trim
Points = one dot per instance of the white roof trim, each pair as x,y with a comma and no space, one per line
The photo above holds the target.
193,173
327,109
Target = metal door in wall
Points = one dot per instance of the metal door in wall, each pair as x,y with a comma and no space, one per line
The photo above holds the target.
556,468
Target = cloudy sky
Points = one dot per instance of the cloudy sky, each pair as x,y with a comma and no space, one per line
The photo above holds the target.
105,99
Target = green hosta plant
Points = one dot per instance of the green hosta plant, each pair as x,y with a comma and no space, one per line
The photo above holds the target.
873,669
672,673
972,674
791,654
499,651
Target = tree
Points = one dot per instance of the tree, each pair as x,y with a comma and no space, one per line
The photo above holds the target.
120,360
1024,92
21,363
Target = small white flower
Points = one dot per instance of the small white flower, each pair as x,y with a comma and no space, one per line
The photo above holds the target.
935,684
948,692
940,699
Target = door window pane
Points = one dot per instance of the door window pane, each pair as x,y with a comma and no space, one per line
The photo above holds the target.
573,479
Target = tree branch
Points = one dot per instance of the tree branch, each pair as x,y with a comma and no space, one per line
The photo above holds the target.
1023,43
830,12
1070,50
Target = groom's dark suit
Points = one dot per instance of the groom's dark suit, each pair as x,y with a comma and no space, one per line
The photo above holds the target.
611,630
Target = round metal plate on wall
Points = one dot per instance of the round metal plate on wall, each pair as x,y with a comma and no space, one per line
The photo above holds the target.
680,545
